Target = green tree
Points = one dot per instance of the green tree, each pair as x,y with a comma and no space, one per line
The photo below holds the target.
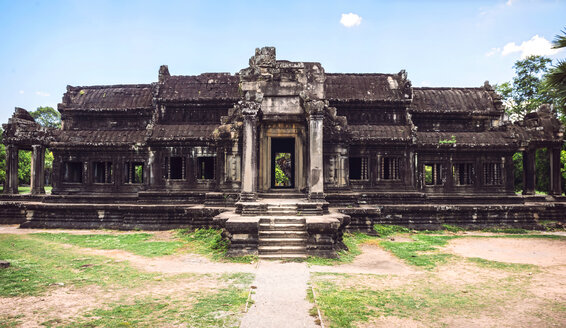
47,117
527,91
555,80
24,167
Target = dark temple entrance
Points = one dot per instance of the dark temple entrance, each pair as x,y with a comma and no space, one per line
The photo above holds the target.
282,162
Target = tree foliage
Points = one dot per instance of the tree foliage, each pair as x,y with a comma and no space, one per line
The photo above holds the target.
44,116
47,117
527,91
555,80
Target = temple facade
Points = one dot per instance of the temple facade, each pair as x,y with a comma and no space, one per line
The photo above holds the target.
368,146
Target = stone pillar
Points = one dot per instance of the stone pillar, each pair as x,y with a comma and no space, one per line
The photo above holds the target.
37,170
555,174
316,172
11,183
249,152
155,174
529,173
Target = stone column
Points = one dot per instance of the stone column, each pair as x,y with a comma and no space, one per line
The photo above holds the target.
37,170
315,176
155,174
249,152
11,183
529,173
555,174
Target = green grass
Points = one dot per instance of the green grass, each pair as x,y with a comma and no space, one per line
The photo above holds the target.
515,267
425,299
384,230
412,252
506,230
209,242
220,308
138,243
10,321
27,190
352,241
38,264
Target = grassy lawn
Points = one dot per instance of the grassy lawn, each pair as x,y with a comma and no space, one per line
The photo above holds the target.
44,263
475,287
209,242
138,243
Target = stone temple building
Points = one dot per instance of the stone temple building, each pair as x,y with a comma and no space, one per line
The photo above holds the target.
283,155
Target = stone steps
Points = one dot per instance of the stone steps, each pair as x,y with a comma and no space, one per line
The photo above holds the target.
282,237
282,209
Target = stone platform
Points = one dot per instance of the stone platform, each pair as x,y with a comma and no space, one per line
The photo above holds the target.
283,229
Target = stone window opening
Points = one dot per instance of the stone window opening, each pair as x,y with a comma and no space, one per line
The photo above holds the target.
433,174
133,172
492,174
176,168
358,168
205,168
463,174
390,168
102,172
73,172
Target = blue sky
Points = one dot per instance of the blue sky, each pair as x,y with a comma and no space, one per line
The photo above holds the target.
47,45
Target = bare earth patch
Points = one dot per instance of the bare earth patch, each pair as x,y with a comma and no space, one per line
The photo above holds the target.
543,252
390,321
373,260
15,230
172,264
63,303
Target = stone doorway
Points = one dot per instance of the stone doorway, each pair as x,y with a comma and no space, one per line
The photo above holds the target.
282,163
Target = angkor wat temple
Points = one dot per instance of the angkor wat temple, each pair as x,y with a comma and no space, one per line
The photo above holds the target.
282,150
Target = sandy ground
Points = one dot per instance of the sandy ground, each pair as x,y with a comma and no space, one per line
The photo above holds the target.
280,293
373,260
541,252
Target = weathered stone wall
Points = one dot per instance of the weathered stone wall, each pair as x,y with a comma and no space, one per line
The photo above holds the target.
432,217
122,217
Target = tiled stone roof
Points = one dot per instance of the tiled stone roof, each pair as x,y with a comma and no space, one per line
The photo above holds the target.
209,86
453,100
111,97
364,87
466,139
99,138
381,132
183,132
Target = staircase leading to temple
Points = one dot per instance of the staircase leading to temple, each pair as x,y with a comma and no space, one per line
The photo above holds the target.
282,237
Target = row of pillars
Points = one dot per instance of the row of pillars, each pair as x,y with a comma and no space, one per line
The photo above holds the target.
249,153
529,171
37,170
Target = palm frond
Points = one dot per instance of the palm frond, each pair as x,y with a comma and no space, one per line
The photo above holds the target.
559,40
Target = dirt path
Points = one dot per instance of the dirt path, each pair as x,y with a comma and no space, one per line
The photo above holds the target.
173,264
542,252
373,260
280,297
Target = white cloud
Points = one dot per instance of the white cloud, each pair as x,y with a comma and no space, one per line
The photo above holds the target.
350,20
492,52
42,93
509,2
538,46
21,92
